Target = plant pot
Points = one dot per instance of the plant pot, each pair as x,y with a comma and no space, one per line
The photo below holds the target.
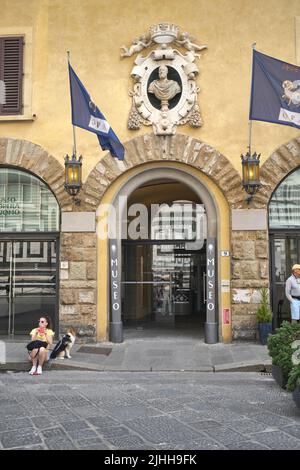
296,396
264,329
278,376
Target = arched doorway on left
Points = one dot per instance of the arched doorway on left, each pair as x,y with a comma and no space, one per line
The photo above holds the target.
29,241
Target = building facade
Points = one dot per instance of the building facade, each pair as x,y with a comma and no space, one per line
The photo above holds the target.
200,262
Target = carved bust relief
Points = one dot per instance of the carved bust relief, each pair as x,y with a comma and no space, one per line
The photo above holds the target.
164,93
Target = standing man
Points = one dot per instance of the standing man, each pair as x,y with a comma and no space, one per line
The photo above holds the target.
292,292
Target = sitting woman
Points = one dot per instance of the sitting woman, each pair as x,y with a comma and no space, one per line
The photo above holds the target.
39,356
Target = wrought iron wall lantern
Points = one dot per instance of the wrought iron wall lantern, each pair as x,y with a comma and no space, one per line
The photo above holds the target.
73,181
250,165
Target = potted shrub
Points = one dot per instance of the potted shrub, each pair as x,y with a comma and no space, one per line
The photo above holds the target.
280,347
296,394
293,384
293,380
264,316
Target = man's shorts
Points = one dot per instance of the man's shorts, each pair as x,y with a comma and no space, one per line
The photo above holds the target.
295,309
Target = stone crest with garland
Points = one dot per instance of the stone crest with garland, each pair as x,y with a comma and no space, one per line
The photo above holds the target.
165,92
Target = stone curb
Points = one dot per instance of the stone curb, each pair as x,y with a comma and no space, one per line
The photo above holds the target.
24,367
249,366
244,366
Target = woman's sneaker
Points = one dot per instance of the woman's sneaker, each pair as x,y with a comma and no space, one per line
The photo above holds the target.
32,370
38,370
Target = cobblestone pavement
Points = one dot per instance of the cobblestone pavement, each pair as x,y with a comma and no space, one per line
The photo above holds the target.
152,410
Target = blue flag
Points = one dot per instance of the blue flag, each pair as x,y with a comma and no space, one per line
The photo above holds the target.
86,114
275,91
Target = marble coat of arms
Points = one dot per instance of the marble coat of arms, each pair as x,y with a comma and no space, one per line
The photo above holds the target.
165,91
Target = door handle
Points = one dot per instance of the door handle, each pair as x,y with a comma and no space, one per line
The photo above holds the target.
14,271
13,287
10,271
9,246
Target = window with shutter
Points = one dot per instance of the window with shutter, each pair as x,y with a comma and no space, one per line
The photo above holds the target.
11,75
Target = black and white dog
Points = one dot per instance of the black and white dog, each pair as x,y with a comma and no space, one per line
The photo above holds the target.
63,347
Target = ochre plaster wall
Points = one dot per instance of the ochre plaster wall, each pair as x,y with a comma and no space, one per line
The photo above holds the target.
94,30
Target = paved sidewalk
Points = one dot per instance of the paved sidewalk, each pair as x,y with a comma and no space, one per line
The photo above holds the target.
146,410
150,354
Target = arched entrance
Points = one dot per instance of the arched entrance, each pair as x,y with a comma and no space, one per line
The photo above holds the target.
193,188
164,261
46,172
29,239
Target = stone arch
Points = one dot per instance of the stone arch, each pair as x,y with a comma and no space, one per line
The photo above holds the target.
283,161
178,148
204,195
32,157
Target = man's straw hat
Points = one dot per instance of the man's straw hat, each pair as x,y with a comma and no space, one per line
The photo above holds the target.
296,266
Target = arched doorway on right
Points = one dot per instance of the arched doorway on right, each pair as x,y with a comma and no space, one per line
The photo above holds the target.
284,235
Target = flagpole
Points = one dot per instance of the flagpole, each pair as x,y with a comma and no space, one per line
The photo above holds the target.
74,135
250,120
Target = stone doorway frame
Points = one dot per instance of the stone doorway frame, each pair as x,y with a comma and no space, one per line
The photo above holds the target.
211,208
147,150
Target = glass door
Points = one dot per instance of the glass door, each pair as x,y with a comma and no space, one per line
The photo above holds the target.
285,251
6,263
162,282
28,284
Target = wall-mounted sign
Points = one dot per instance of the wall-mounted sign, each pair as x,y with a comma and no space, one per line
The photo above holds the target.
226,316
225,253
115,325
225,285
9,206
115,288
210,275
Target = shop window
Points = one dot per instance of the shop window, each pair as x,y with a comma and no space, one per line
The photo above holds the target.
284,207
26,204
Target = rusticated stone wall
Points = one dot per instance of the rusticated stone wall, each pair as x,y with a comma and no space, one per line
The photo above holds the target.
78,283
250,272
284,160
178,148
32,157
250,249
